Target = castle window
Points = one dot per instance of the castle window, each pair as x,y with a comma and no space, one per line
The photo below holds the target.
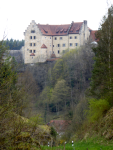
32,31
60,38
63,45
53,45
30,37
34,37
70,44
50,37
58,51
30,51
27,49
34,44
50,45
55,38
45,37
58,45
75,37
32,57
76,44
34,51
70,37
30,44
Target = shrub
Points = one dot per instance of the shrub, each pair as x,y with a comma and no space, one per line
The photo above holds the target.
53,132
96,109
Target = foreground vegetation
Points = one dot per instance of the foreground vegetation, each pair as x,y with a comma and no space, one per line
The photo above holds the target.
77,87
83,145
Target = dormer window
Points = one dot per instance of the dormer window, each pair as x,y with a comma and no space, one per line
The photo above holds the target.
32,31
65,30
61,30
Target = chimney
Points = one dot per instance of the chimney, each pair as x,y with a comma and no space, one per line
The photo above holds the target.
85,24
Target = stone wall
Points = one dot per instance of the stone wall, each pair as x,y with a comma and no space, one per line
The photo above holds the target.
55,44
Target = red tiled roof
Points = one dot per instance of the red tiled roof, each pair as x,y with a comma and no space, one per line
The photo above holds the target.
32,54
60,125
75,27
43,46
60,29
89,29
52,59
53,55
92,35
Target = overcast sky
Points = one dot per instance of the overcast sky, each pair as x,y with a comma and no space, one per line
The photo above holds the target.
16,15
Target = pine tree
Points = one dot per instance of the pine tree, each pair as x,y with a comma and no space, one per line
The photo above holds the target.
102,77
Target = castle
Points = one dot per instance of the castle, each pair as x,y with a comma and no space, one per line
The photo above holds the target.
44,42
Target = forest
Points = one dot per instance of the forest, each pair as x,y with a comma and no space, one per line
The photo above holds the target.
77,88
14,44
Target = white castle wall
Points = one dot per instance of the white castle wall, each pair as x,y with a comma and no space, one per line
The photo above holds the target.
42,54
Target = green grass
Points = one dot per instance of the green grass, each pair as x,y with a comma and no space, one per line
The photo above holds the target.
81,146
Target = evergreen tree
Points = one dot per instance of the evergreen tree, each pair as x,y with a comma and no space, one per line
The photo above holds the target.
14,44
102,77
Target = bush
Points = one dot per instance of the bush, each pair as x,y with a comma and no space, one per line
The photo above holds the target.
53,132
97,108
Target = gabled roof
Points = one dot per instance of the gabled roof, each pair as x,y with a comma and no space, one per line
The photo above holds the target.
75,27
52,58
92,35
43,46
32,54
60,29
53,55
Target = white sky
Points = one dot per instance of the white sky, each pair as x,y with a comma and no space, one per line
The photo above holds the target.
16,15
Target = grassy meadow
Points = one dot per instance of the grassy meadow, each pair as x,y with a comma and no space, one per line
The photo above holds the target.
82,146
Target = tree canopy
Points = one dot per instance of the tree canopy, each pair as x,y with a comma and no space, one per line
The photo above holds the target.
14,44
102,81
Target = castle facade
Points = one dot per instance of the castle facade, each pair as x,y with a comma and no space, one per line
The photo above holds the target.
45,41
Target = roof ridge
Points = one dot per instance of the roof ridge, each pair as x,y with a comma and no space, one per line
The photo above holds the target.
57,24
62,29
